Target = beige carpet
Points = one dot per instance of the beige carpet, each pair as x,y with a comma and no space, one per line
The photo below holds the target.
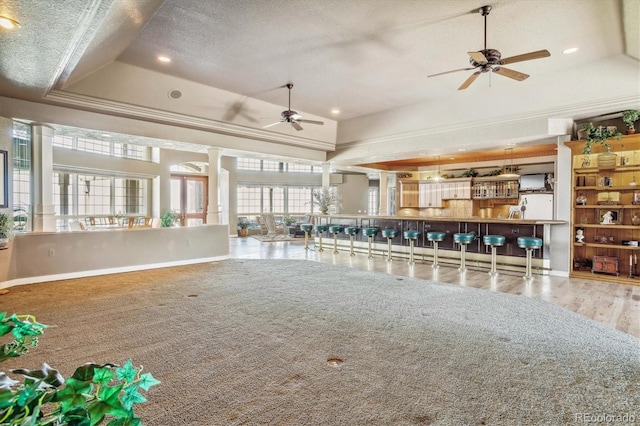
247,342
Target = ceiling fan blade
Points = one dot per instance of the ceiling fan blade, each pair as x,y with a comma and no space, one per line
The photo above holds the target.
516,75
272,124
470,80
296,125
526,57
478,57
310,121
447,72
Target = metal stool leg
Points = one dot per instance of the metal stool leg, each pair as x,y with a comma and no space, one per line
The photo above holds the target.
335,243
389,259
463,252
493,270
411,262
320,242
306,240
370,238
435,255
527,274
351,253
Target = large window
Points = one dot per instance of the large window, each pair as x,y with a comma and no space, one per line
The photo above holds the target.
21,176
374,201
80,195
275,166
114,149
255,199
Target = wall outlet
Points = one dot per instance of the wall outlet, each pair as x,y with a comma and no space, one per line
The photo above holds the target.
515,231
52,252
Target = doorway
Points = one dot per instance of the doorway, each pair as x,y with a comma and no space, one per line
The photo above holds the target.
189,199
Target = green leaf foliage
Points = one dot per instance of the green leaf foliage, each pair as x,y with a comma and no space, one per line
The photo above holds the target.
92,395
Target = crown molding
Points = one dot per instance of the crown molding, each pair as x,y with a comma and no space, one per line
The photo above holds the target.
148,114
568,111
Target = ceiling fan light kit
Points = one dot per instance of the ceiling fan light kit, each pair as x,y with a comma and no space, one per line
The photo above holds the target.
490,60
292,117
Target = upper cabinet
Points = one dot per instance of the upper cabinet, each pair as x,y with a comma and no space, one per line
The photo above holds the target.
456,189
430,195
495,187
408,194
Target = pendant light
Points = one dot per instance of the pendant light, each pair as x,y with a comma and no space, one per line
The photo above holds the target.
438,176
510,173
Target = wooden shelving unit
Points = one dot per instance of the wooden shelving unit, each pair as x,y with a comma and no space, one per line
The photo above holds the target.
609,251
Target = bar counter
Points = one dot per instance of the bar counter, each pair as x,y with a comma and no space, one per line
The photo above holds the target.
510,256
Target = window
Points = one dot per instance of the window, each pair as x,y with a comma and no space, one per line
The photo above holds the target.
374,201
248,164
299,199
271,166
114,149
21,176
301,168
77,196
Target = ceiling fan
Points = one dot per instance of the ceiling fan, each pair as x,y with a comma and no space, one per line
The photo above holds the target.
292,117
489,60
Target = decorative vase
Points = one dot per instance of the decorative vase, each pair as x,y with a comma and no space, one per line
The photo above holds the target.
631,131
607,159
324,211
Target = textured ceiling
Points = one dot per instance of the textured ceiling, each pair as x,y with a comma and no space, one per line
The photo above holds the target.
368,58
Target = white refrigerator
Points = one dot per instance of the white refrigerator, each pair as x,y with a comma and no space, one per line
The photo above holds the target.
538,206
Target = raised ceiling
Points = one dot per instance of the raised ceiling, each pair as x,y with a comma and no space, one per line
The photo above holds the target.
368,58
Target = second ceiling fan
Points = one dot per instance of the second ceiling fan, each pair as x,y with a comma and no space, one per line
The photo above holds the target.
490,60
292,117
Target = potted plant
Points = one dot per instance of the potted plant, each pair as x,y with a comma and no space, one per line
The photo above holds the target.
243,227
600,135
168,219
629,117
324,198
5,229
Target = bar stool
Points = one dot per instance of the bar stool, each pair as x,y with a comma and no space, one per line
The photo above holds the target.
351,231
389,234
370,233
335,230
320,229
307,228
463,238
494,241
435,237
529,244
412,236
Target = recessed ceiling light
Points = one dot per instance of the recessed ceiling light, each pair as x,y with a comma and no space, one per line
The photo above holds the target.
462,149
570,50
511,144
164,59
105,135
335,111
8,23
422,153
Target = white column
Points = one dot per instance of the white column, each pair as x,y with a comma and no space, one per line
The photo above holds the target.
213,208
44,219
382,191
326,175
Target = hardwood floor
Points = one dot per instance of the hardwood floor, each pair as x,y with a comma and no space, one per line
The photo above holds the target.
617,305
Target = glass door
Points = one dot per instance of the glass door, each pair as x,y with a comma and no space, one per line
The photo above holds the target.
189,199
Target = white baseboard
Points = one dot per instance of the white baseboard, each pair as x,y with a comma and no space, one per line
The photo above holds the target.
96,272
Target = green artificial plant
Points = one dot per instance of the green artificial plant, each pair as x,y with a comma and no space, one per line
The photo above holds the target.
5,226
599,135
629,117
325,198
93,394
168,219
